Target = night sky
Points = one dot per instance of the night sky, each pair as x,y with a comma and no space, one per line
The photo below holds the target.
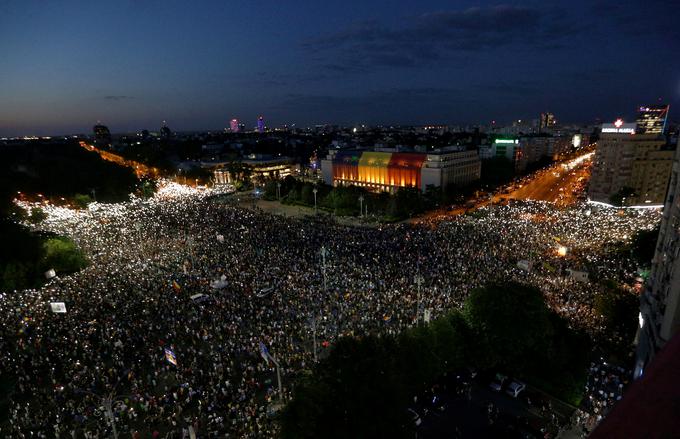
131,64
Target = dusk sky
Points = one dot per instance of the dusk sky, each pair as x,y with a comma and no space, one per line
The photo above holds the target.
131,64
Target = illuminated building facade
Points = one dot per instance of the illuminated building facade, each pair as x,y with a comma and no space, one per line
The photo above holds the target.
659,318
652,119
260,167
547,122
260,124
387,171
624,159
233,126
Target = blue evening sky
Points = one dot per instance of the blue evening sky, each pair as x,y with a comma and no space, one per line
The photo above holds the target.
133,63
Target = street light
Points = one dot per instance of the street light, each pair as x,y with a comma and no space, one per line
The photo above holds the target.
315,191
361,206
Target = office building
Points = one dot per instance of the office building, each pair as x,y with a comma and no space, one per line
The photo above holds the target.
387,171
660,303
546,122
260,124
635,166
651,119
260,167
233,126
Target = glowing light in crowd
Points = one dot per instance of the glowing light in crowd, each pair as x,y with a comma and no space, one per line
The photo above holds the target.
562,251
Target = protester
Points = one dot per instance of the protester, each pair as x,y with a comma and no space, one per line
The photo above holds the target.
130,314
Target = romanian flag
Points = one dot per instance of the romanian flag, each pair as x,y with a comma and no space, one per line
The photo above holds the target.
170,356
176,286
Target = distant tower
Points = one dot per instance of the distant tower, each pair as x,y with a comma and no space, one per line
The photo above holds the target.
234,125
652,119
260,124
166,132
547,121
102,135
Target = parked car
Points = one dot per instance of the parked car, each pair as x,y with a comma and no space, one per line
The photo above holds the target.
515,388
498,381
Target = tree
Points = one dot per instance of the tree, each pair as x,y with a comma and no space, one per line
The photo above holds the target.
147,188
644,245
619,198
62,255
37,215
512,322
497,171
82,200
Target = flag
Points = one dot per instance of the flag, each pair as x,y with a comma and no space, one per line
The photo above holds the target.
170,356
176,286
264,352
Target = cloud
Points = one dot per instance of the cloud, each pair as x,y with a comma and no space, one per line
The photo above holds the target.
435,36
117,97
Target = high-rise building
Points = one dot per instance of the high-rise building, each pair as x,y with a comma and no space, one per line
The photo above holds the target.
629,165
547,122
102,135
651,119
660,303
260,124
165,132
233,125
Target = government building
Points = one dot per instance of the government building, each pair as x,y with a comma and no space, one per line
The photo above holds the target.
388,170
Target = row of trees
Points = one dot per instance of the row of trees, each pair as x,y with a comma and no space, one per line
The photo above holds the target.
348,200
365,384
63,170
27,255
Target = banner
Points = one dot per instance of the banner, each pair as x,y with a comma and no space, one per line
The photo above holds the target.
264,352
524,265
49,274
58,307
579,276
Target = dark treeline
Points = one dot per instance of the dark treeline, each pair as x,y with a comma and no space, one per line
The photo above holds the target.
362,389
62,169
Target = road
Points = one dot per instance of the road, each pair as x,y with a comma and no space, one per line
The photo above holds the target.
561,184
140,169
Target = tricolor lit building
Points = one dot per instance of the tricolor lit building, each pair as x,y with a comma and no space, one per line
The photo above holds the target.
389,170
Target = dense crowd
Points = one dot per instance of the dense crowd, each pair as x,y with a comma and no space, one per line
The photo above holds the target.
265,281
604,387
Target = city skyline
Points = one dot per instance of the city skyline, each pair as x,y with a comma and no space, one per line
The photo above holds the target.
134,64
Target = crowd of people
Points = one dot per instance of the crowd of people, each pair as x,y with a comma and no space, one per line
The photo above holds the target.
138,350
604,387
